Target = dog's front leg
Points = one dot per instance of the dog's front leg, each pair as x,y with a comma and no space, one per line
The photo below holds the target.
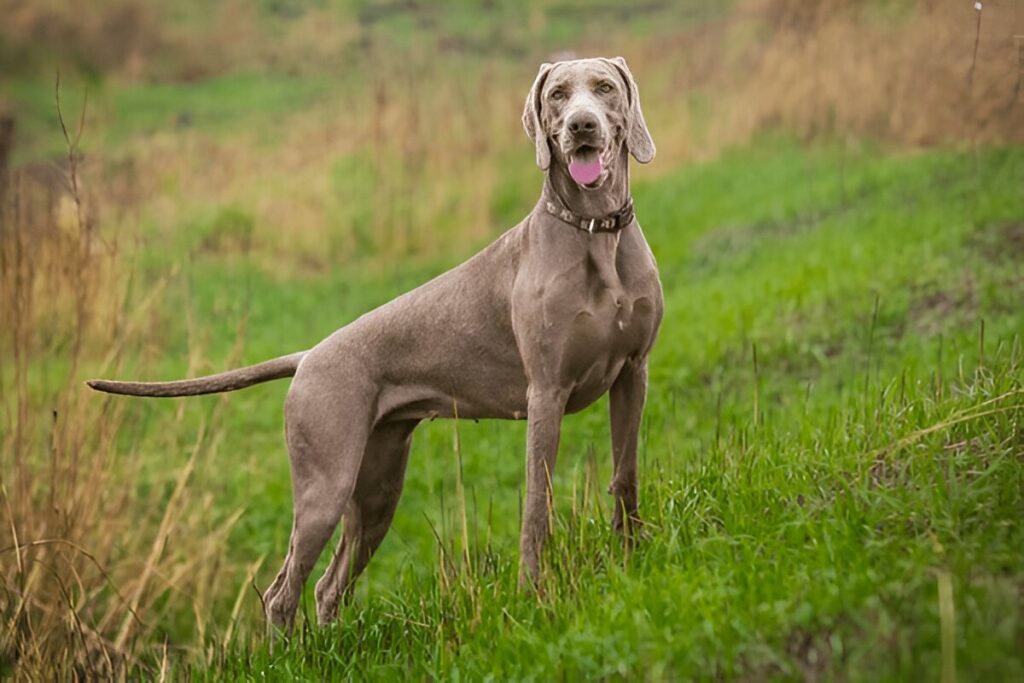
545,408
626,403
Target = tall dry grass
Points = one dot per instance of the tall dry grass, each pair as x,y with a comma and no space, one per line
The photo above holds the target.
134,40
915,73
910,74
428,147
90,563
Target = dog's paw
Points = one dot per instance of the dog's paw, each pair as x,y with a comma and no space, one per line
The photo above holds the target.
530,584
631,527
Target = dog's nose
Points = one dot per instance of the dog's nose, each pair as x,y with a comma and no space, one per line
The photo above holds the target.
582,122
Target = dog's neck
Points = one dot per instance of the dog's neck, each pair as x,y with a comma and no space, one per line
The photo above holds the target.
597,203
613,194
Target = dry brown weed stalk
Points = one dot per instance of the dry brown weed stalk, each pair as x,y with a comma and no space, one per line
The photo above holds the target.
89,564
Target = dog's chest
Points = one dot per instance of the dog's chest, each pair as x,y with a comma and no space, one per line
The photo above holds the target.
584,307
616,322
621,295
612,322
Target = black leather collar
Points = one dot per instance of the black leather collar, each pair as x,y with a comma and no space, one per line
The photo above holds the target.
612,222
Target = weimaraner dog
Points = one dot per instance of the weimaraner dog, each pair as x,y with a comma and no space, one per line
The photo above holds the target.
560,309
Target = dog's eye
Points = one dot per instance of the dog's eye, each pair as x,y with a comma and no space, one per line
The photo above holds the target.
605,88
557,95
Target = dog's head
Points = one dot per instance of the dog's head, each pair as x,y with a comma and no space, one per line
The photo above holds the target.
580,113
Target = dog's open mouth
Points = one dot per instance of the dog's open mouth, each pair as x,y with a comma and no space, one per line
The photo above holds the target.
586,164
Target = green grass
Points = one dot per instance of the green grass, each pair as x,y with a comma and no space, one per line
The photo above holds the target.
803,508
118,113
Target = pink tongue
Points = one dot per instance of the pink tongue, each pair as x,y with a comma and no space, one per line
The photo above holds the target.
585,172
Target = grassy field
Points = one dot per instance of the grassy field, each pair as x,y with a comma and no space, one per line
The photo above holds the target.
832,451
832,444
832,456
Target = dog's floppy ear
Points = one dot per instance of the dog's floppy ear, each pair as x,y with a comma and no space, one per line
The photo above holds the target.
531,118
638,138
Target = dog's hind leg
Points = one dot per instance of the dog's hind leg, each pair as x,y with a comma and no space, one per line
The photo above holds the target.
326,442
332,585
371,510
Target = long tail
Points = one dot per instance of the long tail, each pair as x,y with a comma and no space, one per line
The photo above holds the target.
278,368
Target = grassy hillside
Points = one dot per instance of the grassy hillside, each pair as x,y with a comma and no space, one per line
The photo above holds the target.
832,454
831,460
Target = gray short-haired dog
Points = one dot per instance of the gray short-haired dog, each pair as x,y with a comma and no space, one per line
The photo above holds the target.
560,309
